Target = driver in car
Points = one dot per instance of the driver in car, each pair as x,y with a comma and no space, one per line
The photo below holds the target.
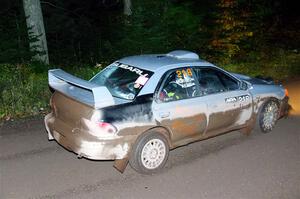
177,87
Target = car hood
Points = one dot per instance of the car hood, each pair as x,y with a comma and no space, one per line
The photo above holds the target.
254,80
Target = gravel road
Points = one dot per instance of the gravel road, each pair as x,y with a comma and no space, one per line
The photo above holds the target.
231,166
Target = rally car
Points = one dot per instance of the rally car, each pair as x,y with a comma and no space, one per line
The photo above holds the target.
140,107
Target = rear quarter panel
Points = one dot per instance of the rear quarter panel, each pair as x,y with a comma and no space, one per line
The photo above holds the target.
131,118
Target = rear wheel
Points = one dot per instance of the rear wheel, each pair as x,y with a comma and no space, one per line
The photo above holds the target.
150,153
268,116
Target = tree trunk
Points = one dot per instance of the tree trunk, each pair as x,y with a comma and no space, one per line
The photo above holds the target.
36,30
127,7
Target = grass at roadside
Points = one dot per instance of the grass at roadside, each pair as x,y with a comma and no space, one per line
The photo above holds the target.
24,88
23,91
280,65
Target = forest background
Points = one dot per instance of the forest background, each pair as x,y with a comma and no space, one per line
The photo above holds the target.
253,37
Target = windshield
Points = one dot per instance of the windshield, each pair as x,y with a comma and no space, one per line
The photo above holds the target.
123,81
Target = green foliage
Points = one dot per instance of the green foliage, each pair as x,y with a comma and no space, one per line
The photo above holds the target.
279,64
257,37
80,32
231,29
142,32
22,91
158,27
24,88
13,33
181,26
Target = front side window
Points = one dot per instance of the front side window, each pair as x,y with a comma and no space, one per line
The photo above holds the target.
123,81
214,81
178,84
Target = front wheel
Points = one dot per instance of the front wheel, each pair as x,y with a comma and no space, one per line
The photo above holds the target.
150,153
268,116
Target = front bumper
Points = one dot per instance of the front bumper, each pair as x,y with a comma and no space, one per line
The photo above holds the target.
84,144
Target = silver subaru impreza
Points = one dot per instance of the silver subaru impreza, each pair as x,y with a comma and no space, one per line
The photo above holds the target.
140,107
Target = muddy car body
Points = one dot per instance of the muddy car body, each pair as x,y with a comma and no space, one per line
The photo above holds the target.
140,107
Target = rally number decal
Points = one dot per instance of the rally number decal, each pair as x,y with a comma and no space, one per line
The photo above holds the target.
183,73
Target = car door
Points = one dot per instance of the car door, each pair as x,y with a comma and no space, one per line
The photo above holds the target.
177,107
228,106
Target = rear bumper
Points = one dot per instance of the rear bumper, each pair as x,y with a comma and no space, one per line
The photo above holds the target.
84,144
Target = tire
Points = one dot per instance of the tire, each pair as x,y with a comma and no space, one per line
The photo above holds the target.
268,116
150,153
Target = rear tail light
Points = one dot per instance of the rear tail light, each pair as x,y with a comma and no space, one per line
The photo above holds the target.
99,128
107,127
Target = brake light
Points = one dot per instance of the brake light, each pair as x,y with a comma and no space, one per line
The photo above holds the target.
286,92
107,127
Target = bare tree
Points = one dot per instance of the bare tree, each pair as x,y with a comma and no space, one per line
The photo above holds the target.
36,30
127,7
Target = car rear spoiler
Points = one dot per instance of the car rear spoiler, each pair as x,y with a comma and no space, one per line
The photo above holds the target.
79,89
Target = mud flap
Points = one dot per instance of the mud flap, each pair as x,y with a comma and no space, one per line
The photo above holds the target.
121,164
249,128
246,130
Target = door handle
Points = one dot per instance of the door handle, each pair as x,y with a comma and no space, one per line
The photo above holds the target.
164,114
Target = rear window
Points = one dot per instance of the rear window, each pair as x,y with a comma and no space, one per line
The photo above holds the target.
123,81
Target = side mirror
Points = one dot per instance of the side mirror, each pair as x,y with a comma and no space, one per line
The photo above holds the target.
244,85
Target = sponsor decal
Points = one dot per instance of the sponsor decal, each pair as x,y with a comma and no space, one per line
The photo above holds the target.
241,98
132,69
231,100
142,80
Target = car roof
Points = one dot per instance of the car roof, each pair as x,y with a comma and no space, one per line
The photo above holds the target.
153,62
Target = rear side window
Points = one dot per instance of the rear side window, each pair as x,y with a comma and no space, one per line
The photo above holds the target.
214,81
123,81
178,84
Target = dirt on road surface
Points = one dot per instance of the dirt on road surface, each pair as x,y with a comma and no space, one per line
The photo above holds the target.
231,166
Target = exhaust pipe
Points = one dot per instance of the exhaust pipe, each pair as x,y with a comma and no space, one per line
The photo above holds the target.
79,156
